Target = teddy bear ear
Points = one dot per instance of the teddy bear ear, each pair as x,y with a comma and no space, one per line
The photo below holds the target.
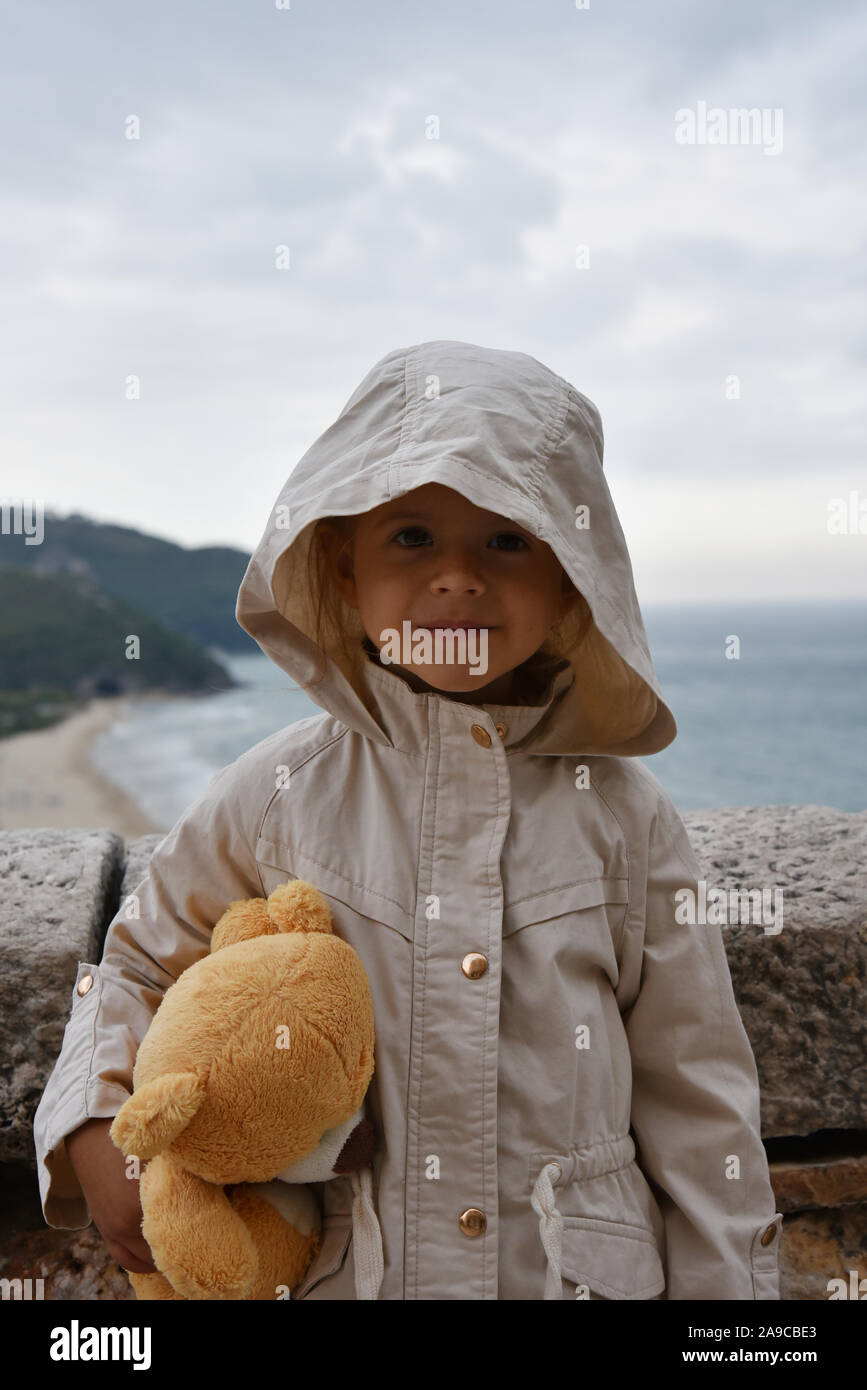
298,906
242,920
157,1113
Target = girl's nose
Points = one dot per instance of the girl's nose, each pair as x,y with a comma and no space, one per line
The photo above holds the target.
458,569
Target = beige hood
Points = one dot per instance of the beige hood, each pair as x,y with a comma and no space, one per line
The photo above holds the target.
514,438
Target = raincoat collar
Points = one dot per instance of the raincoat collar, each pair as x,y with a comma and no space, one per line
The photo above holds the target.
403,713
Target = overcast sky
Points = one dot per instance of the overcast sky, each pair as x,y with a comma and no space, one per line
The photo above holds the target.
308,126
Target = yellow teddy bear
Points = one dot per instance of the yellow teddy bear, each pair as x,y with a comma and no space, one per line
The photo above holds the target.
254,1068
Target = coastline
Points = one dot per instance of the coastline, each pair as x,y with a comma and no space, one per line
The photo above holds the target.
47,778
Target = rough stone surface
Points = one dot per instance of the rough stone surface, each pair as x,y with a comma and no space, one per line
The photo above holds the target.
819,1246
838,1182
57,894
71,1264
802,993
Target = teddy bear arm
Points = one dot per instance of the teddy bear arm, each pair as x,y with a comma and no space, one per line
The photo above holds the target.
198,1241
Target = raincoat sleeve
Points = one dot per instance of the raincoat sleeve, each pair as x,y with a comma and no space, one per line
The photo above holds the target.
695,1100
206,861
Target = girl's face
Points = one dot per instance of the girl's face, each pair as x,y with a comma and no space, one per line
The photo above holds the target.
433,558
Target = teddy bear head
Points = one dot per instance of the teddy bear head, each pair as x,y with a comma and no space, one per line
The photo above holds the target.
258,1048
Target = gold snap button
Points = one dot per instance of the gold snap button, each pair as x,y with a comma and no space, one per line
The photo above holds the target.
84,984
480,735
502,729
472,1222
474,965
769,1235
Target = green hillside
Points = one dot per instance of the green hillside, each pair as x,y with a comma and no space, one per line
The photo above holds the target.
63,640
192,591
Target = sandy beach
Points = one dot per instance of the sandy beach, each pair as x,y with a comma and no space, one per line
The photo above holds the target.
47,778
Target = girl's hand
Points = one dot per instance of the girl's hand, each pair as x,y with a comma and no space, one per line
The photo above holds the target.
112,1196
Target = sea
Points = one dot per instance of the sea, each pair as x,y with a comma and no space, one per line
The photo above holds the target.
770,700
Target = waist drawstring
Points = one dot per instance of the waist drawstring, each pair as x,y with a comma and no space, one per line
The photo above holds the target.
366,1237
550,1227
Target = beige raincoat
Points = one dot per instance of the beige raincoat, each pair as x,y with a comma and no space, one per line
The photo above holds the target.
565,1096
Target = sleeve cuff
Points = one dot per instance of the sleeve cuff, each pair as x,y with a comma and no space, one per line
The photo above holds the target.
63,1202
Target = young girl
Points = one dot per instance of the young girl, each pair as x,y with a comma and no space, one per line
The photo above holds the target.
565,1099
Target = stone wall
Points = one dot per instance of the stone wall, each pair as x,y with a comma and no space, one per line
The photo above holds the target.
801,992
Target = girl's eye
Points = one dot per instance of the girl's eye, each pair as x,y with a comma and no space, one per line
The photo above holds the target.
513,535
407,530
422,530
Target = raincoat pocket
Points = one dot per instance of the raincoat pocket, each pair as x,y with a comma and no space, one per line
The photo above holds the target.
610,1259
369,904
330,1258
599,1221
598,891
